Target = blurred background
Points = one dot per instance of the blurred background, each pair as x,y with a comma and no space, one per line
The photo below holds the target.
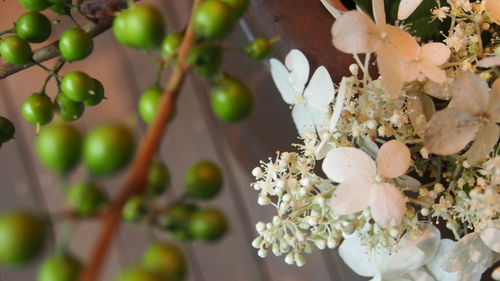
194,135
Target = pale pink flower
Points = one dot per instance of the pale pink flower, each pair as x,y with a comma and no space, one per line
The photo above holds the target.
365,182
355,32
472,114
431,56
492,8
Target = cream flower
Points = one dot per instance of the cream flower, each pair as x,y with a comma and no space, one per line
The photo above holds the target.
365,183
355,32
411,253
427,63
471,114
407,7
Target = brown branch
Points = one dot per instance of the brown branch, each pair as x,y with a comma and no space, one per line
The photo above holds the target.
143,157
100,11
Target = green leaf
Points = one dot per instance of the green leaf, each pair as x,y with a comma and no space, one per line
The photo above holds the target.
421,23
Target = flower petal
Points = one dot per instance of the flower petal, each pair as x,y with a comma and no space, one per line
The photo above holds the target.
357,256
407,7
388,204
354,33
491,237
494,102
420,108
432,72
409,70
352,195
492,7
280,77
486,138
489,62
298,65
438,90
320,91
393,159
435,53
343,163
402,44
449,131
339,104
435,265
470,93
379,12
390,70
303,117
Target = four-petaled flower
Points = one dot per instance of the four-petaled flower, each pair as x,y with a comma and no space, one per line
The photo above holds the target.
364,183
431,56
472,114
355,32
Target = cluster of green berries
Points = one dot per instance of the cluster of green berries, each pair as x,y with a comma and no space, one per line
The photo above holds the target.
7,130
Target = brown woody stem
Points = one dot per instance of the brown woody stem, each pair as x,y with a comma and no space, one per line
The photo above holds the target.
135,179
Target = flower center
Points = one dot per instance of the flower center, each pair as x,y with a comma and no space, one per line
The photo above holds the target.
379,179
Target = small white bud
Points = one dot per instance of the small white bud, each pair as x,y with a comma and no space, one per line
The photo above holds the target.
305,182
303,192
286,198
300,236
299,260
256,242
496,273
466,164
276,220
424,211
262,253
438,188
320,200
354,69
263,200
312,220
289,258
371,124
260,227
393,232
292,182
331,243
276,249
280,183
269,226
321,244
257,172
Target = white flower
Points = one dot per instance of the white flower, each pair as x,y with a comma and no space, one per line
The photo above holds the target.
473,254
311,104
431,56
407,7
492,8
440,13
364,183
471,114
409,254
435,265
355,32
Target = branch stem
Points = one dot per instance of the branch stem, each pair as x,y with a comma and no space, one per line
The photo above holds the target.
143,157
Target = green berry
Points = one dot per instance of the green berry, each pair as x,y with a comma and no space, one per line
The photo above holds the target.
213,19
38,109
7,130
231,100
135,209
166,259
67,109
77,86
15,50
35,5
141,27
22,237
108,149
97,94
158,178
139,274
75,44
85,199
176,219
239,6
203,180
208,224
61,7
58,147
60,267
149,103
33,27
170,44
259,48
206,59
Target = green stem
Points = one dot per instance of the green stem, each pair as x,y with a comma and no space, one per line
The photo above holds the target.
7,31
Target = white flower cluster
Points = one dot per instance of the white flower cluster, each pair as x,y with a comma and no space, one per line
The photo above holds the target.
416,146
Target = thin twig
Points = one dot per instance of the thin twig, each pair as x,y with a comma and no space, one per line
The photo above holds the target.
137,174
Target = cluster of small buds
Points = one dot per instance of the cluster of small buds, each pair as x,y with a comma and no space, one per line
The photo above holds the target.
303,219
